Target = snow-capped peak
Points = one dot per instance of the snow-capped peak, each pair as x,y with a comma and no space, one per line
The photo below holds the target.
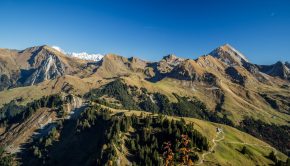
86,56
80,55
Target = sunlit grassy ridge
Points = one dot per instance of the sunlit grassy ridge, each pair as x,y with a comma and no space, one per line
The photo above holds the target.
227,151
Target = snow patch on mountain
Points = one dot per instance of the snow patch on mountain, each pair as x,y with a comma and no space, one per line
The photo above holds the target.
86,56
58,49
80,55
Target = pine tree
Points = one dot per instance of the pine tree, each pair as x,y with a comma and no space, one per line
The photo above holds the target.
244,150
132,145
288,162
137,138
273,157
141,154
155,156
48,142
37,152
169,130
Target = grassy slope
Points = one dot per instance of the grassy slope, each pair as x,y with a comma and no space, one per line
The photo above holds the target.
29,93
227,150
225,153
237,107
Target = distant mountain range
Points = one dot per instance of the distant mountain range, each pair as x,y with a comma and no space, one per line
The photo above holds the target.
37,64
224,85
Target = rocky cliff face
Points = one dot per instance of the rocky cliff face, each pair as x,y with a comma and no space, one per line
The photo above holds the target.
229,55
168,63
41,64
5,81
35,65
50,68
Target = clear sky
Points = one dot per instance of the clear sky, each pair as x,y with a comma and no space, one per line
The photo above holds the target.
150,29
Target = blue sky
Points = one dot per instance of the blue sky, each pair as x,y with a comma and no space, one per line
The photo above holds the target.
150,29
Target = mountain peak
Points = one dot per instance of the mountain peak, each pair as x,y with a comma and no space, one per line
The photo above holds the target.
170,57
113,56
229,55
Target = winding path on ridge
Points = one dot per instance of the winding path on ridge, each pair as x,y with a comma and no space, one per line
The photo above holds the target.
215,140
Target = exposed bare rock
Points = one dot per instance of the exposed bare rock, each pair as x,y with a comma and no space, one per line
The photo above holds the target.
235,76
229,55
50,68
168,63
36,64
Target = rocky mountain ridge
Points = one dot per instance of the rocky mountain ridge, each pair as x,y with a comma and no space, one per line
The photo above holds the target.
279,69
221,78
37,64
34,65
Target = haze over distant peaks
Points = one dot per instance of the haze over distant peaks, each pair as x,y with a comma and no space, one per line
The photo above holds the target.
80,55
